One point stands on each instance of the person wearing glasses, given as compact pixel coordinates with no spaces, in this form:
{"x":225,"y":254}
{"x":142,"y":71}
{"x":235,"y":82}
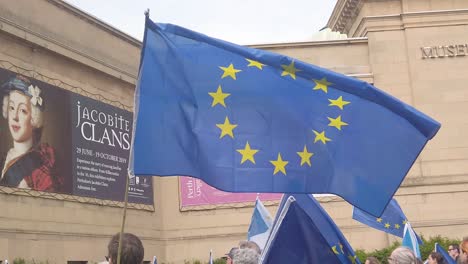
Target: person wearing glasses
{"x":454,"y":251}
{"x":230,"y":255}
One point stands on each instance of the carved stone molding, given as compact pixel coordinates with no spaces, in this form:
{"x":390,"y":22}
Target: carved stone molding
{"x":344,"y":14}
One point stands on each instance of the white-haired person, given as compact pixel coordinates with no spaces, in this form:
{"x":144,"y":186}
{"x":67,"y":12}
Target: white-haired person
{"x":403,"y":255}
{"x":246,"y":256}
{"x":28,"y":163}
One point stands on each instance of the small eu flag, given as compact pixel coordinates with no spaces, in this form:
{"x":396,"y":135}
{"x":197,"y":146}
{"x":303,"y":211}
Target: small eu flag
{"x":392,"y":220}
{"x":247,"y":120}
{"x":304,"y":233}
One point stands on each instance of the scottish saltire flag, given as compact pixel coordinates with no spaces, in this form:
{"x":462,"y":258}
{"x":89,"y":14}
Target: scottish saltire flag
{"x":392,"y":220}
{"x":260,"y":225}
{"x":304,"y":233}
{"x":247,"y":120}
{"x":410,"y":240}
{"x":444,"y":254}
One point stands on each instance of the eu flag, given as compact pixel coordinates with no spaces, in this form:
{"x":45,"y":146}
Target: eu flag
{"x":304,"y":233}
{"x":247,"y":120}
{"x":392,"y":220}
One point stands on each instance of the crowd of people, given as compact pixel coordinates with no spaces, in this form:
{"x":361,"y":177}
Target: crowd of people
{"x":248,"y":252}
{"x":404,"y":255}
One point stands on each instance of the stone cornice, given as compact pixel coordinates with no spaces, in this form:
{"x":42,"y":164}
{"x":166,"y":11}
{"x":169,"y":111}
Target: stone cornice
{"x":411,"y":20}
{"x":310,"y":43}
{"x":96,"y":21}
{"x":38,"y":40}
{"x":344,"y":13}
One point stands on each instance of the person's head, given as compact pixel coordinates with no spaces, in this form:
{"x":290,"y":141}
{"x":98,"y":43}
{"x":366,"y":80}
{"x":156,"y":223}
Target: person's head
{"x":251,"y":245}
{"x":453,"y":250}
{"x":22,"y":107}
{"x":372,"y":260}
{"x":402,"y":255}
{"x":435,"y":258}
{"x":230,"y":255}
{"x":132,"y":249}
{"x":245,"y":256}
{"x":463,"y":258}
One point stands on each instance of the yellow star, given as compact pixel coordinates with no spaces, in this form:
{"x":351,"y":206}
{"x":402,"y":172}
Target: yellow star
{"x":337,"y":122}
{"x":352,"y":259}
{"x":338,"y":102}
{"x":226,"y":128}
{"x":279,"y":165}
{"x":405,"y":221}
{"x":379,"y":220}
{"x":257,"y":64}
{"x":229,"y":71}
{"x":320,"y":136}
{"x":321,"y":84}
{"x":247,"y":153}
{"x":289,"y":70}
{"x":218,"y":97}
{"x":397,"y":226}
{"x":387,"y":225}
{"x":305,"y":156}
{"x":335,"y":251}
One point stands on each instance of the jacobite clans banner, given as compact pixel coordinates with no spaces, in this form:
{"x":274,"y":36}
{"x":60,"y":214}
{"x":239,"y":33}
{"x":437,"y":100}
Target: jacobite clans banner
{"x":54,"y":140}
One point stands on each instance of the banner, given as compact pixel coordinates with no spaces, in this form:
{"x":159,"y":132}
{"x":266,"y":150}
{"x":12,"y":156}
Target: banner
{"x":195,"y":192}
{"x":54,"y":140}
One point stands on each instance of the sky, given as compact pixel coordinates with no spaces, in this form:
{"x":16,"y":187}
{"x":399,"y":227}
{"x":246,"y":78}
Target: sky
{"x":242,"y":21}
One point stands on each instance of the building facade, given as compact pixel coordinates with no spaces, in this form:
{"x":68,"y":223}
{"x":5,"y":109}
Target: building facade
{"x":416,"y":50}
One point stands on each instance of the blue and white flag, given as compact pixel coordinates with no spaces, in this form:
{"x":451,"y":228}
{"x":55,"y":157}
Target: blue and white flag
{"x":410,"y":240}
{"x":155,"y":260}
{"x":304,"y":233}
{"x":260,"y":225}
{"x":211,"y":257}
{"x":444,"y":254}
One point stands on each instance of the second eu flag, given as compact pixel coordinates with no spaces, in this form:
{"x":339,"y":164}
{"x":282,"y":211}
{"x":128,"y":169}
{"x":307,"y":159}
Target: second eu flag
{"x":246,"y":120}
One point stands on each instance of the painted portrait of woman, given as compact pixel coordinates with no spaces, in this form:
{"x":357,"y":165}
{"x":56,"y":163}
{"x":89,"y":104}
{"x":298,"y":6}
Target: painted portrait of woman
{"x":29,"y":163}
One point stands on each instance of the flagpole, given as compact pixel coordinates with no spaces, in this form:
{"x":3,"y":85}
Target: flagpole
{"x":119,"y":251}
{"x":130,"y":172}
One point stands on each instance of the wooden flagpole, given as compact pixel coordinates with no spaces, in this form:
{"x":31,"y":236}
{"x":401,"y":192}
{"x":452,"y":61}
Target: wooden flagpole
{"x":119,"y":251}
{"x":122,"y":227}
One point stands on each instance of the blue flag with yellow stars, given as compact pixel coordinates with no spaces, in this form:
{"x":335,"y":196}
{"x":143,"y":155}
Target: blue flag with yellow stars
{"x":392,"y":220}
{"x":304,"y":233}
{"x":247,"y":120}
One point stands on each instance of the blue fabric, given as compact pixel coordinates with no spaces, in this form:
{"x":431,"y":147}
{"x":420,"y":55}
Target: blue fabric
{"x":307,"y":234}
{"x":444,"y":254}
{"x":261,"y":220}
{"x":281,"y":109}
{"x":392,"y":220}
{"x":260,"y":225}
{"x":409,"y":240}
